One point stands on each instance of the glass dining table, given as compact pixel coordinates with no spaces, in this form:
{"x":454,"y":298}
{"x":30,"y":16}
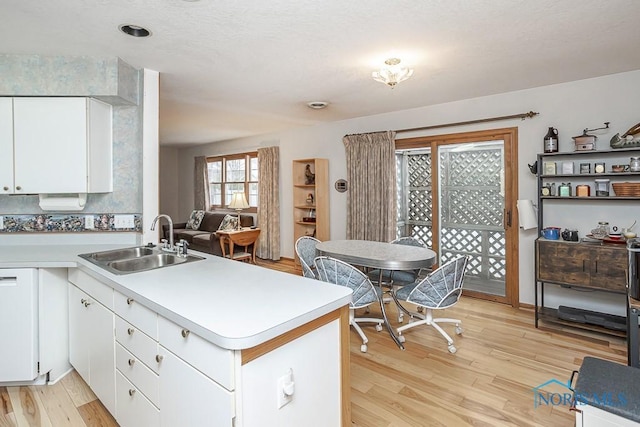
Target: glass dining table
{"x":379,"y":255}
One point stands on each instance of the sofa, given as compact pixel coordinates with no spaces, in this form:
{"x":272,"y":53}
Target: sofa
{"x":204,"y":238}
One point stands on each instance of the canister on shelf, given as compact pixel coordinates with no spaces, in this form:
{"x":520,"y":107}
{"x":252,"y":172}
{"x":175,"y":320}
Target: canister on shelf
{"x":564,"y":190}
{"x":602,"y":187}
{"x":583,"y":190}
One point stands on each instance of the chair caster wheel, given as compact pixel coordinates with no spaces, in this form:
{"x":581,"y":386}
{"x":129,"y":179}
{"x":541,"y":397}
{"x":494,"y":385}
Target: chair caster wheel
{"x":420,"y":309}
{"x":363,"y":348}
{"x":378,"y":327}
{"x":366,"y":310}
{"x":459,"y":330}
{"x":400,"y":319}
{"x":452,"y":349}
{"x":401,"y":338}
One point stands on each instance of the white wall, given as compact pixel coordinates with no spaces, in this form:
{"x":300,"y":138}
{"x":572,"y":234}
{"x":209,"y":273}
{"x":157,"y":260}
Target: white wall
{"x":570,"y":107}
{"x":168,"y":182}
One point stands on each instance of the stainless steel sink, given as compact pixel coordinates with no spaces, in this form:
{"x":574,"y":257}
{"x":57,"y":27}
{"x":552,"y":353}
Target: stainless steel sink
{"x":136,"y":259}
{"x":124,"y":253}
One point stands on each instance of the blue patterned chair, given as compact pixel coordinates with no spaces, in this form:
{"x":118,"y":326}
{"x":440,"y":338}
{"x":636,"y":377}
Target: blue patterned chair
{"x":306,"y":250}
{"x":334,"y":271}
{"x":441,"y":289}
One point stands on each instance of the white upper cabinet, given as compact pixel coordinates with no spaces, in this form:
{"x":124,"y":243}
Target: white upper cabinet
{"x":6,"y":146}
{"x":61,"y":145}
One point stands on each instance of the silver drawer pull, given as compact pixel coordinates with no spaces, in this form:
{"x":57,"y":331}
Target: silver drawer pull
{"x":5,"y":188}
{"x":130,"y":331}
{"x":129,"y":301}
{"x":132,"y":361}
{"x":132,"y":392}
{"x":159,"y":358}
{"x":185,"y":333}
{"x":18,"y":188}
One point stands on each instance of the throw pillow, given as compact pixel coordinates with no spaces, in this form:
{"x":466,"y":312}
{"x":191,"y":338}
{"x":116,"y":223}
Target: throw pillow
{"x":229,"y":222}
{"x":195,"y":220}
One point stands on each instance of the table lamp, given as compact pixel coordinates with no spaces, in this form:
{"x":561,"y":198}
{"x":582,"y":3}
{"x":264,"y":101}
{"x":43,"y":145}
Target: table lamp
{"x":238,"y":202}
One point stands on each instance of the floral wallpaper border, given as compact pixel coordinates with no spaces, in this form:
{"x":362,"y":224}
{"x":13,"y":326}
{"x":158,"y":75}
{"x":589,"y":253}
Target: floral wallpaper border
{"x":65,"y":223}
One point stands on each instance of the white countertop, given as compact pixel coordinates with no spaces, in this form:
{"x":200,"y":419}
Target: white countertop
{"x":232,"y":304}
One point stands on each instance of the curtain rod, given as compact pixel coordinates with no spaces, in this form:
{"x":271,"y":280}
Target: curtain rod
{"x":521,"y":116}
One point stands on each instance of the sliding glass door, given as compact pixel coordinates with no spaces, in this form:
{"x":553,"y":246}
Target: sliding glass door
{"x":455,"y":194}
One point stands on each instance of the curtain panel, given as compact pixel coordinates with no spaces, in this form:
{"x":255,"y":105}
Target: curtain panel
{"x":371,"y":173}
{"x":201,"y":184}
{"x":269,"y":203}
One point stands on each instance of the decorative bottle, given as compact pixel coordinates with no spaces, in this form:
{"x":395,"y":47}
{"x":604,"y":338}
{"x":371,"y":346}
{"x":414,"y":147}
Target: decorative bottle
{"x":551,"y":141}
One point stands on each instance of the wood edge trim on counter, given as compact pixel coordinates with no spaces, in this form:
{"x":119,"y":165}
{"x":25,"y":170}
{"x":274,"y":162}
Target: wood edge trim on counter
{"x":249,"y":354}
{"x":345,"y":362}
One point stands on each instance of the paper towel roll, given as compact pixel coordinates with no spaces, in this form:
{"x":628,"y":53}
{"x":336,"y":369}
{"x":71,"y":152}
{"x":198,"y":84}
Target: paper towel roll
{"x":527,"y":214}
{"x":66,"y":202}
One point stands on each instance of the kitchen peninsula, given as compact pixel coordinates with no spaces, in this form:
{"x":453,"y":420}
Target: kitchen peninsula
{"x":210,"y":342}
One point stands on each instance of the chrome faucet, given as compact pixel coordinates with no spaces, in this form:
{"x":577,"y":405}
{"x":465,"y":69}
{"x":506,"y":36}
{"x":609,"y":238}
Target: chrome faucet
{"x":171,"y":247}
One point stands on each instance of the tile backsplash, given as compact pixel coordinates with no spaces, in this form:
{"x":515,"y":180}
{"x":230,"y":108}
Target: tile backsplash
{"x":70,"y":223}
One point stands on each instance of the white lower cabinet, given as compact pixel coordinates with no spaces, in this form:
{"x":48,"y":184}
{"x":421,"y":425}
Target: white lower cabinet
{"x":165,"y":375}
{"x":189,"y":398}
{"x":590,"y":416}
{"x":91,"y":344}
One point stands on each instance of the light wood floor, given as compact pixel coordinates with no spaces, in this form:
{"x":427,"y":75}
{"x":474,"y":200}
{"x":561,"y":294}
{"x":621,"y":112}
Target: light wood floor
{"x":489,"y":382}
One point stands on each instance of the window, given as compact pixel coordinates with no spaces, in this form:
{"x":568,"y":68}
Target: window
{"x":232,"y":174}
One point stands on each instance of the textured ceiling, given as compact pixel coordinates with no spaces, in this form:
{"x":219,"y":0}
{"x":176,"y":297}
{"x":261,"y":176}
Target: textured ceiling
{"x":239,"y":68}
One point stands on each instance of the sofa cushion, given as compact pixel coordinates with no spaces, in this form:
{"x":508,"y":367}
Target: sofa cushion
{"x":229,"y":222}
{"x":195,"y":219}
{"x":187,"y":234}
{"x":211,"y":221}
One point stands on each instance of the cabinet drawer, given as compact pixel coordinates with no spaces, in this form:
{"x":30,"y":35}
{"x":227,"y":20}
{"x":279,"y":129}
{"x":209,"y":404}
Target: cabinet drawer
{"x":138,"y":374}
{"x":133,"y":409}
{"x":136,"y":314}
{"x":93,"y":287}
{"x":189,"y":398}
{"x":137,"y":343}
{"x":211,"y":360}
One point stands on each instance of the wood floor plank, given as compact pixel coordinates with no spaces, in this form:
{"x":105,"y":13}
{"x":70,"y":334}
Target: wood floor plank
{"x":77,"y":389}
{"x":7,"y":418}
{"x":28,"y":408}
{"x":95,"y":414}
{"x":59,"y":406}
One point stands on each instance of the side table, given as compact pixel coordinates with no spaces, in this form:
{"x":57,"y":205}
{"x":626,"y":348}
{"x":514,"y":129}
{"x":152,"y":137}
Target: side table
{"x":243,"y":237}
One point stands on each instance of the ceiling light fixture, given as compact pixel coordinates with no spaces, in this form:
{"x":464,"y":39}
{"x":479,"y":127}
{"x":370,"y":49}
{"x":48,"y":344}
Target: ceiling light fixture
{"x":392,"y":74}
{"x":317,"y":105}
{"x":135,"y":30}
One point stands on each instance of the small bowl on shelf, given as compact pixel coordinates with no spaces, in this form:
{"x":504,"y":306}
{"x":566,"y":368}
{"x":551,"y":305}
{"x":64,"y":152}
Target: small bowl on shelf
{"x":629,"y":234}
{"x":615,"y":236}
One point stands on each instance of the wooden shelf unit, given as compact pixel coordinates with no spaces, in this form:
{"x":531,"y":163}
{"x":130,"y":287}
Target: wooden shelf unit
{"x":319,"y":207}
{"x":580,"y":266}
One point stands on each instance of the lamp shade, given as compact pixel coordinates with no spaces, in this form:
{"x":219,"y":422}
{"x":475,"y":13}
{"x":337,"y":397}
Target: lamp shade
{"x":238,"y":201}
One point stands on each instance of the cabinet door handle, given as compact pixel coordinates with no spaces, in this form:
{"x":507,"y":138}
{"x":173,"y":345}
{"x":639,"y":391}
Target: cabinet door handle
{"x":132,"y":392}
{"x":596,"y":264}
{"x":130,"y":331}
{"x":159,"y":358}
{"x":129,"y":301}
{"x":82,"y":301}
{"x":185,"y":333}
{"x":583,"y":266}
{"x":5,"y":188}
{"x":132,"y":361}
{"x":18,"y":188}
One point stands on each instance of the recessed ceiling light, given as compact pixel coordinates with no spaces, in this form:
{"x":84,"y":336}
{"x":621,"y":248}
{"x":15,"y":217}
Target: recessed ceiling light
{"x":135,"y":30}
{"x":317,"y":105}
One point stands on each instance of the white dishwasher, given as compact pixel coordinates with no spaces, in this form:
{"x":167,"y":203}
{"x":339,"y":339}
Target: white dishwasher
{"x":18,"y":324}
